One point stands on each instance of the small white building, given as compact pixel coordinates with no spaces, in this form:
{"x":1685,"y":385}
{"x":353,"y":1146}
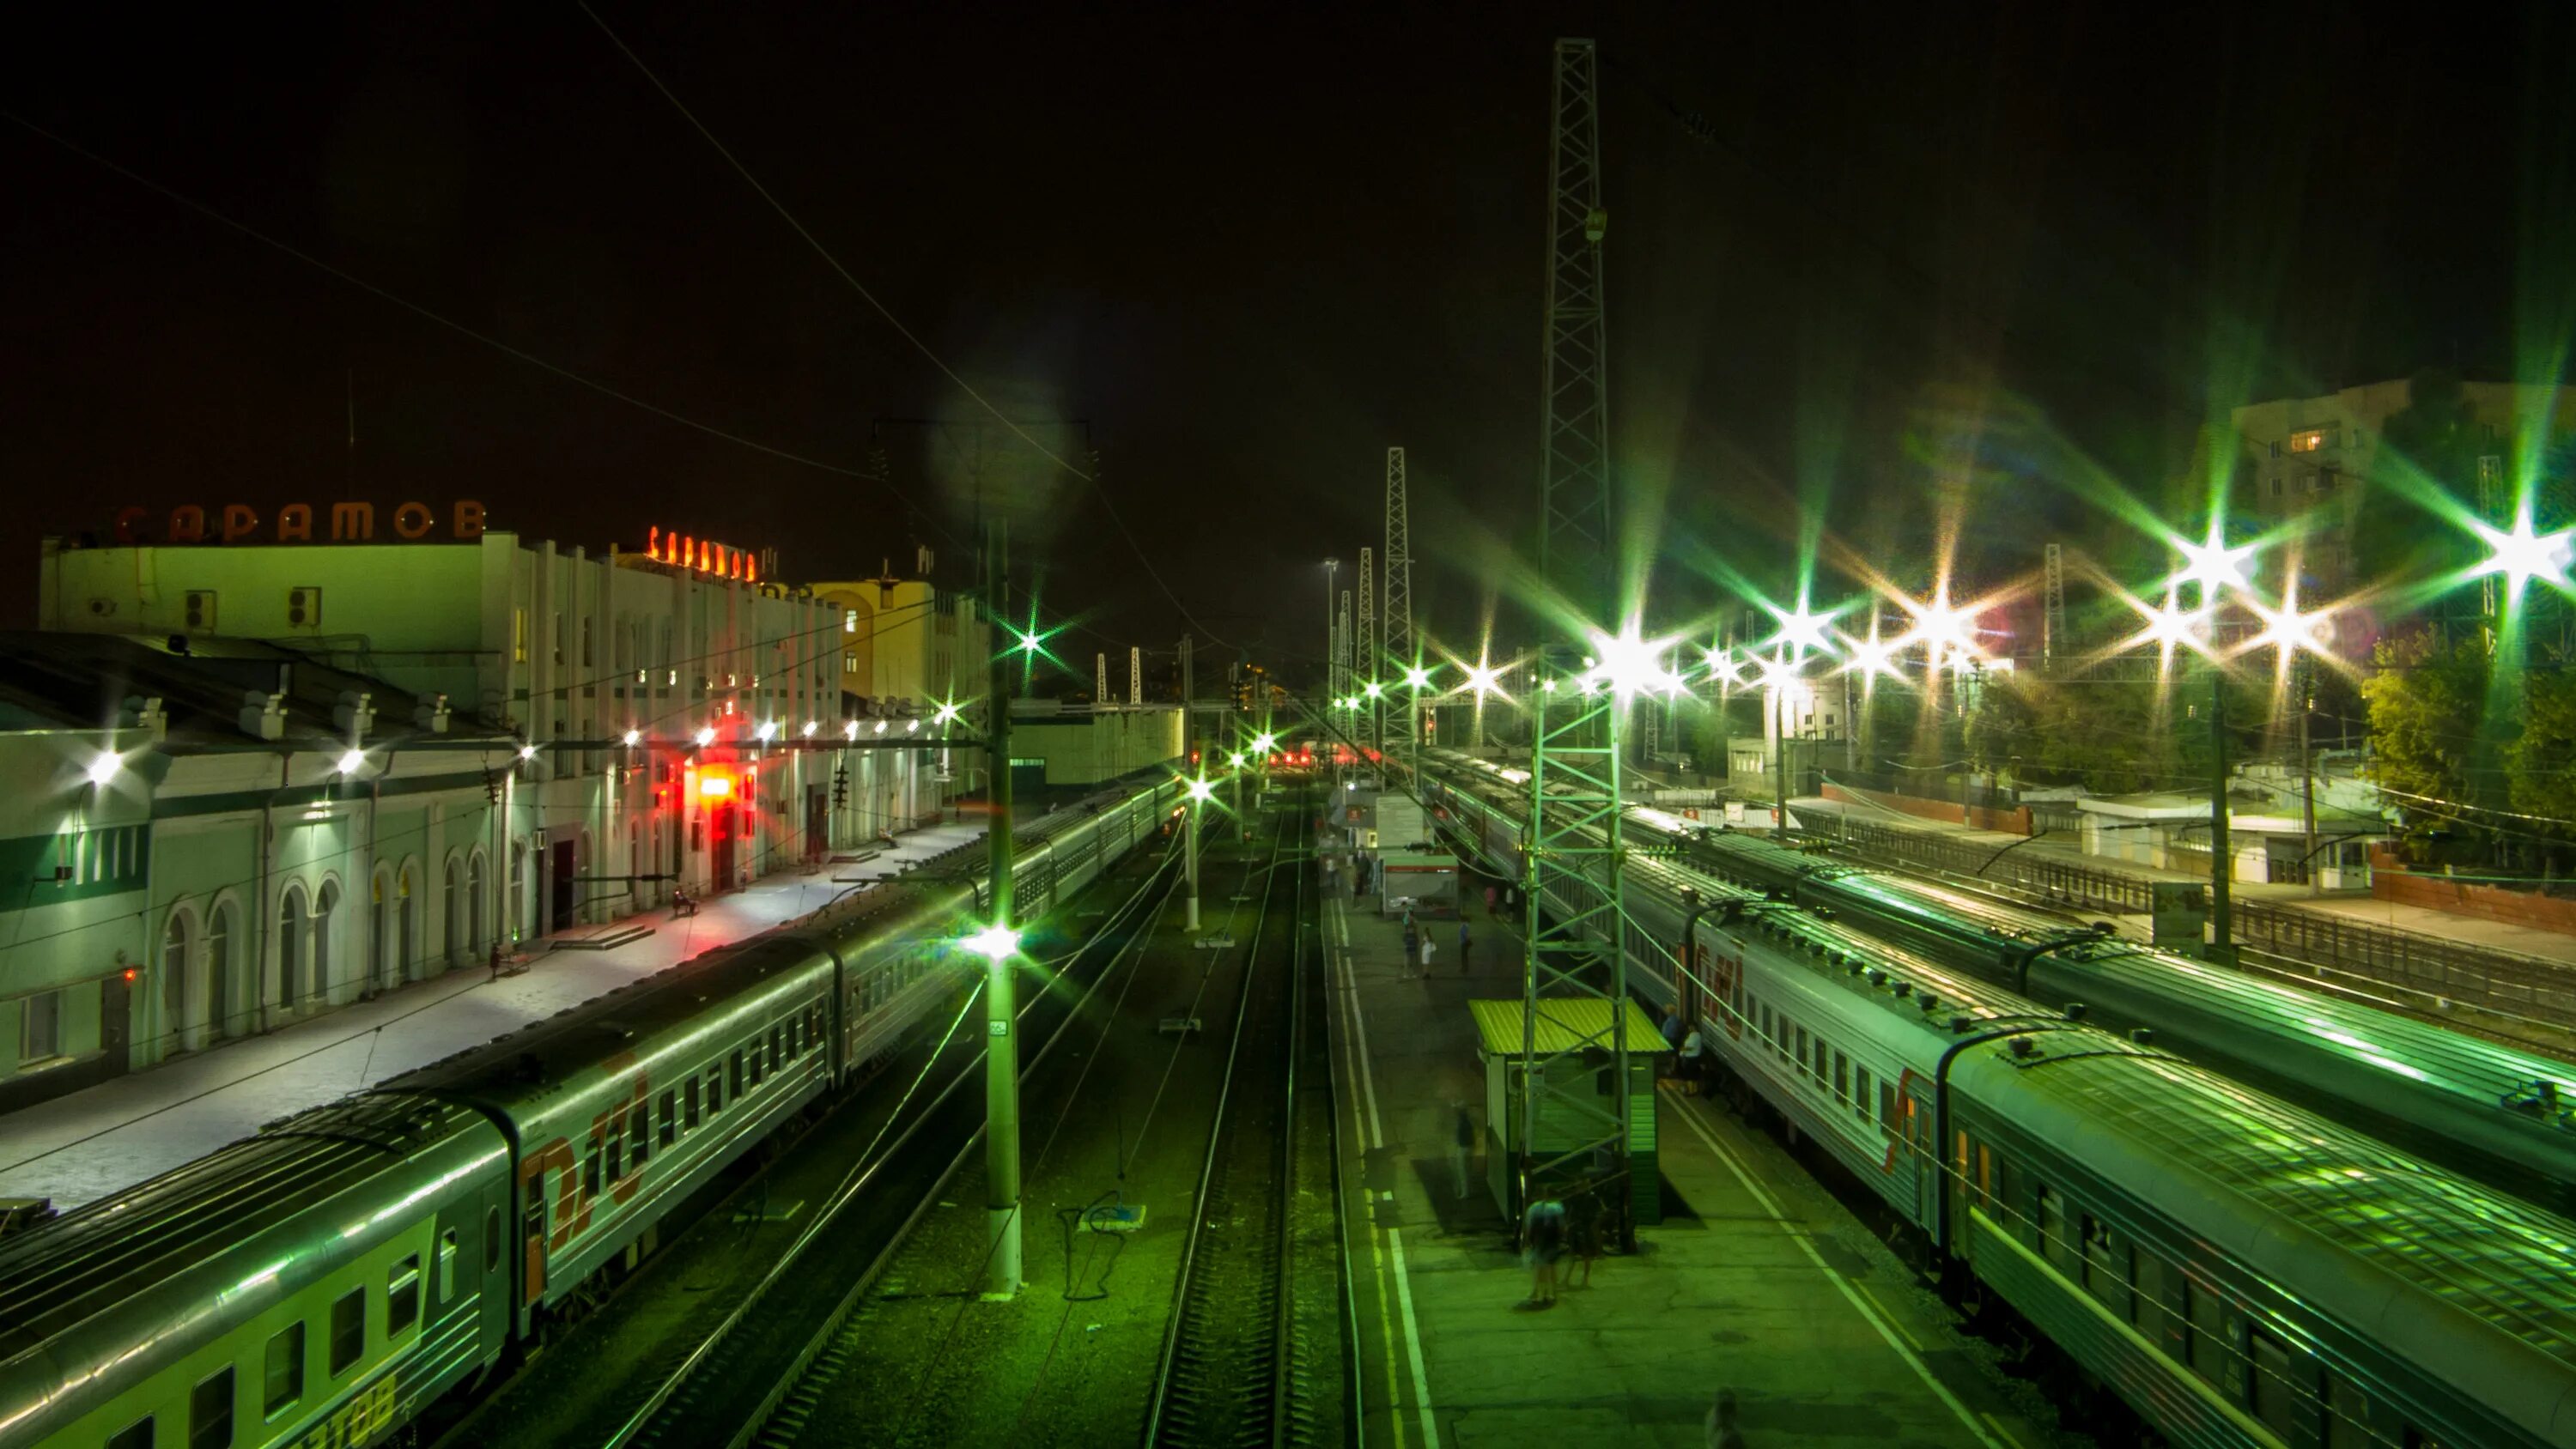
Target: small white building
{"x":2170,"y":830}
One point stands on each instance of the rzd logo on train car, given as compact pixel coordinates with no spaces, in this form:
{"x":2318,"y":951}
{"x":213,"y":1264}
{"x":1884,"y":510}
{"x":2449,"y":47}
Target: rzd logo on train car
{"x":361,"y":1419}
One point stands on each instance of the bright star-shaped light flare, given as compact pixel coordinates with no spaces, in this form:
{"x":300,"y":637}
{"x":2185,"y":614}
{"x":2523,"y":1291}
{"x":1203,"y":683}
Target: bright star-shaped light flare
{"x":947,"y":713}
{"x":1265,"y":742}
{"x":2523,"y":555}
{"x":1418,"y":677}
{"x":1202,"y":791}
{"x":993,"y":943}
{"x":2214,"y":566}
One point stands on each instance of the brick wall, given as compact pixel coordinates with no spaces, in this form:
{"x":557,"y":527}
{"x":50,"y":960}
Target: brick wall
{"x":2390,"y":880}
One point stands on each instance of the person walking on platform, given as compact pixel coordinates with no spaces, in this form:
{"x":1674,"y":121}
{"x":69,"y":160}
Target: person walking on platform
{"x":1542,"y":1243}
{"x":1412,"y":945}
{"x":1587,"y":1224}
{"x":1462,"y":1143}
{"x":1464,"y":942}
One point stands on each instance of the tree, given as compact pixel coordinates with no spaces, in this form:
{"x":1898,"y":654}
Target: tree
{"x":2426,"y":703}
{"x":2540,"y":764}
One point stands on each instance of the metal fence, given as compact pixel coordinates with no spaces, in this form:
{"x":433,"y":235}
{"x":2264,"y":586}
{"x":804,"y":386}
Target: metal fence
{"x":2496,"y":981}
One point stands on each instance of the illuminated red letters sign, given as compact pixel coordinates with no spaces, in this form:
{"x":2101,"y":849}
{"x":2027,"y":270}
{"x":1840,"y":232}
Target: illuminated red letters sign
{"x":722,"y":560}
{"x":348,"y":523}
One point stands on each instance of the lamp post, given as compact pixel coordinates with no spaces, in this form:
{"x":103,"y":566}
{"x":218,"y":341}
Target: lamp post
{"x":998,"y":944}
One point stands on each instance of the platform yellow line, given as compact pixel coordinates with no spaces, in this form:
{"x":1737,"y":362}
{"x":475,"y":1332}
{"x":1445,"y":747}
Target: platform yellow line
{"x":1851,"y":1295}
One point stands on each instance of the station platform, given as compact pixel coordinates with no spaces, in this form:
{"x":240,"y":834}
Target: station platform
{"x":92,"y":1142}
{"x":1758,"y":1280}
{"x":2504,"y":936}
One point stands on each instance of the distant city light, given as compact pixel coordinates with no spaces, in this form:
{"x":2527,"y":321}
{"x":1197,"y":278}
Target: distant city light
{"x":1265,"y":742}
{"x":1418,"y":677}
{"x":1201,"y":791}
{"x":1374,"y":690}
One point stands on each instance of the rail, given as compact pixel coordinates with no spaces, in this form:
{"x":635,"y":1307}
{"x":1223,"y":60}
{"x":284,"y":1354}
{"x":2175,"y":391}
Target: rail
{"x":1231,"y":1369}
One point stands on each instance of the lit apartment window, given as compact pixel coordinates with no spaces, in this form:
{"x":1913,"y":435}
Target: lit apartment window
{"x":2308,"y":442}
{"x":849,"y":621}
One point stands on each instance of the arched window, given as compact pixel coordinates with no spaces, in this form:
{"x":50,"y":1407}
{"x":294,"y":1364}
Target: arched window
{"x":326,"y":904}
{"x":457,"y":943}
{"x":174,"y":982}
{"x":220,"y":1010}
{"x":380,"y":916}
{"x":406,"y":923}
{"x":477,"y":940}
{"x":290,"y":950}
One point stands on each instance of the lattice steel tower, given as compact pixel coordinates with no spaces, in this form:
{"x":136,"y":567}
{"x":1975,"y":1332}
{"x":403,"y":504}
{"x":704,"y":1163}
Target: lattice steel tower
{"x":1574,"y":982}
{"x":1366,"y":652}
{"x":1575,"y":538}
{"x":1398,"y":605}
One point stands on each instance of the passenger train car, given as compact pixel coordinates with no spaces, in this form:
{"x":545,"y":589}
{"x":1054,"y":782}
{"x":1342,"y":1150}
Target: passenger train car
{"x":319,"y":1283}
{"x":2234,"y":1269}
{"x":2473,"y":1105}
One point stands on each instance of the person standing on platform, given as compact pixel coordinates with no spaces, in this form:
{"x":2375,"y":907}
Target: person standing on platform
{"x":1428,"y":946}
{"x":1412,"y":945}
{"x":1692,"y":1050}
{"x":1672,"y":1028}
{"x":1464,"y":942}
{"x":1493,"y":897}
{"x":1542,"y":1243}
{"x":1462,"y":1143}
{"x":1720,"y":1425}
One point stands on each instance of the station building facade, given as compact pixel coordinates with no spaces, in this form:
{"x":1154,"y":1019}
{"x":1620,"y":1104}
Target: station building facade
{"x":211,"y":839}
{"x":643,"y":725}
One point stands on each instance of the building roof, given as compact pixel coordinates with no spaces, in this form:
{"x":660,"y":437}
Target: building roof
{"x":1564,"y":1023}
{"x":60,"y":681}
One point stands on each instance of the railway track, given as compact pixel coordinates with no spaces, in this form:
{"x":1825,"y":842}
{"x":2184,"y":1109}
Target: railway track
{"x":1254,"y":1353}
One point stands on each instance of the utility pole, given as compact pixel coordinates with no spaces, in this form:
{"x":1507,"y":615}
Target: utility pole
{"x":1332,"y":633}
{"x":1398,"y":598}
{"x":2308,"y":787}
{"x":1001,"y":1027}
{"x":1780,"y":762}
{"x":1100,"y":678}
{"x":1135,"y":674}
{"x":2222,"y":856}
{"x":2052,"y":618}
{"x":1190,"y":757}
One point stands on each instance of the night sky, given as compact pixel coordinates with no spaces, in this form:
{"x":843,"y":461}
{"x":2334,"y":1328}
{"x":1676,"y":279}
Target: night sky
{"x":1246,"y":250}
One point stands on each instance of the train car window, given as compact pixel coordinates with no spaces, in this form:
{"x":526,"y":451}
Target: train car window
{"x":715,"y":1090}
{"x":1842,"y":1078}
{"x":639,"y":1133}
{"x":348,"y":1330}
{"x":447,"y":1262}
{"x":2347,"y":1414}
{"x":210,"y":1411}
{"x":137,"y":1435}
{"x":282,"y":1378}
{"x":2269,"y":1392}
{"x":1860,"y":1092}
{"x":777,"y":1047}
{"x":2149,"y":1307}
{"x":689,"y":1106}
{"x":735,"y":1071}
{"x":616,"y":1154}
{"x":670,"y":1116}
{"x":1802,"y":1046}
{"x":758,"y":1069}
{"x":2108,"y":1267}
{"x":402,"y":1297}
{"x":2204,"y":1332}
{"x":2053,"y":1242}
{"x":590,"y":1173}
{"x":1887,"y":1106}
{"x":1985,"y":1178}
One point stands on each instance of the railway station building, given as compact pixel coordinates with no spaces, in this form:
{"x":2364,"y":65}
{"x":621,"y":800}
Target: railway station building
{"x":211,"y":838}
{"x":684,"y":715}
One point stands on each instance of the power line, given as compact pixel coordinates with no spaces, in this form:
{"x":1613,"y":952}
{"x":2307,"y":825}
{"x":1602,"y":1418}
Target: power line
{"x":245,"y":229}
{"x":896,"y":323}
